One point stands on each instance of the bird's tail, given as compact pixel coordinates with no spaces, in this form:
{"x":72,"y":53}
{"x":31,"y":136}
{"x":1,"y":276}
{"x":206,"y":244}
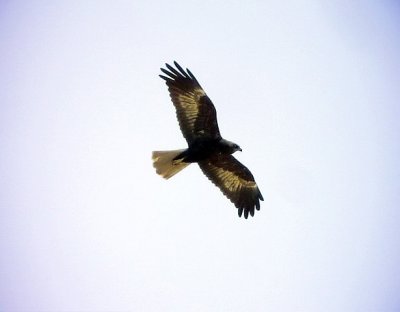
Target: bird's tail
{"x":165,"y":164}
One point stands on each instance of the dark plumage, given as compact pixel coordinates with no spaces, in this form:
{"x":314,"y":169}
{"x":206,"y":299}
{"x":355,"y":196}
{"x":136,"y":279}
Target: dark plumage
{"x":198,"y":122}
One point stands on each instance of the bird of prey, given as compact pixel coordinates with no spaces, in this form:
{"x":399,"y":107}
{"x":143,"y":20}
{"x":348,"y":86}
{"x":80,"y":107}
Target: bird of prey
{"x":198,"y":122}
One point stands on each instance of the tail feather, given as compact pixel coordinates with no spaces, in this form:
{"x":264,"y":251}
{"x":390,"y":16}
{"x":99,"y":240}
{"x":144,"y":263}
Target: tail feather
{"x":165,"y":164}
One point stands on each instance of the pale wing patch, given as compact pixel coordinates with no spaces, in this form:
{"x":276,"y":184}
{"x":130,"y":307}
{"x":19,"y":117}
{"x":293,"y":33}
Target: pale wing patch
{"x":195,"y":111}
{"x":187,"y":105}
{"x":231,"y":181}
{"x":235,"y":181}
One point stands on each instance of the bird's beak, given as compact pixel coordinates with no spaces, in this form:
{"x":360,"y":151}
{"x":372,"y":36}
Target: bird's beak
{"x":240,"y":149}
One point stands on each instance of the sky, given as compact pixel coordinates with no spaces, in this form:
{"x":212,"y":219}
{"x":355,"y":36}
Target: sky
{"x":308,"y":89}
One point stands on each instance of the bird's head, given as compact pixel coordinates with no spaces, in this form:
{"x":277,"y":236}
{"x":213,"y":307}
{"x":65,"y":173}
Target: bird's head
{"x":230,"y":147}
{"x":236,"y":148}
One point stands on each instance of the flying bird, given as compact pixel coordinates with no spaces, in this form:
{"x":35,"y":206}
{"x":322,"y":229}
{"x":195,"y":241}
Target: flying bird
{"x":197,"y":119}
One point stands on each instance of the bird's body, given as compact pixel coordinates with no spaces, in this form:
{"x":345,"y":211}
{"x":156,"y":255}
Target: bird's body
{"x":203,"y":148}
{"x":198,"y":121}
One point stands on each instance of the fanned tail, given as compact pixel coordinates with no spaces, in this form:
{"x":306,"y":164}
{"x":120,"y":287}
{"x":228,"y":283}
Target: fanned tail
{"x":165,"y":164}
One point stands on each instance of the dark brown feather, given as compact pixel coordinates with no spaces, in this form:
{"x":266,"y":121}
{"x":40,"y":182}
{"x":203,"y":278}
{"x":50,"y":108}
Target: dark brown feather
{"x":235,"y":181}
{"x":195,"y":112}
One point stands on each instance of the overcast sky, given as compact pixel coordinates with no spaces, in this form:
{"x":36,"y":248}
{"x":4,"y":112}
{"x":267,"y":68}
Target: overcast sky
{"x":310,"y":91}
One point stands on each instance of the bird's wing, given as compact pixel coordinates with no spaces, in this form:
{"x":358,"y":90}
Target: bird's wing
{"x":235,"y":181}
{"x":195,"y":111}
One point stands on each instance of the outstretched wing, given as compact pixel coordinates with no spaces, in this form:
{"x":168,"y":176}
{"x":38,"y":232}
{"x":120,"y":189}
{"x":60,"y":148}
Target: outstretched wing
{"x":235,"y":181}
{"x":195,"y":111}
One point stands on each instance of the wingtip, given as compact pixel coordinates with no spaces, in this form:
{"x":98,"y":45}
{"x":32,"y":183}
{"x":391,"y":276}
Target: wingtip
{"x":260,"y":196}
{"x":240,"y":211}
{"x":163,"y":77}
